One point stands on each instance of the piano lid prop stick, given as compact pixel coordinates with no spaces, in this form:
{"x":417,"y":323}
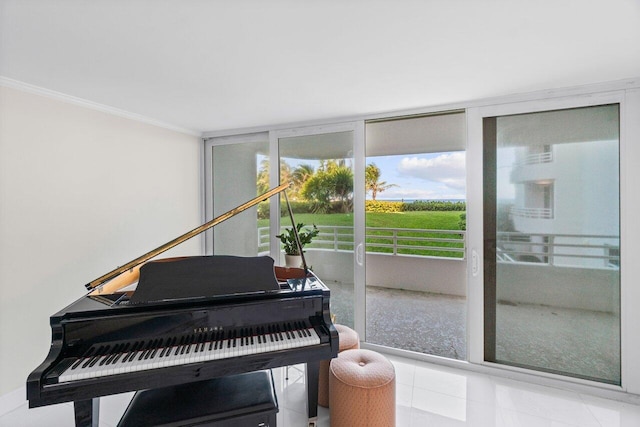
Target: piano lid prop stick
{"x":204,"y":227}
{"x":298,"y":242}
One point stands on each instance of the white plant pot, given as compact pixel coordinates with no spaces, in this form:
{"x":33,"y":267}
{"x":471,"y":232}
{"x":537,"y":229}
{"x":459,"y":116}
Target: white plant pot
{"x":293,"y":261}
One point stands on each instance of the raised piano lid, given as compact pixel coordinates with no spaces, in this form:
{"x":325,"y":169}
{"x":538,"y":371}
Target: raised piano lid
{"x":129,"y":268}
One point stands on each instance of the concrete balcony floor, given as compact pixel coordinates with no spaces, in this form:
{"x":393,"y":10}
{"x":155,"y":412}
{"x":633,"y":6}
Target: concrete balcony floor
{"x":582,"y":343}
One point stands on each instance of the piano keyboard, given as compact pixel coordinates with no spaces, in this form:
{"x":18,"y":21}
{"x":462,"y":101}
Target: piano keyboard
{"x":106,"y":360}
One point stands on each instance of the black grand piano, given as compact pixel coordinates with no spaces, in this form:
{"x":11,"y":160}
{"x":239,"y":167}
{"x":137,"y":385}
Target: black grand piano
{"x":188,"y":319}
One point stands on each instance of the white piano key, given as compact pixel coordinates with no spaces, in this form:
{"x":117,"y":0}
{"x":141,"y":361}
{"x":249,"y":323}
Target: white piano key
{"x":219,"y":346}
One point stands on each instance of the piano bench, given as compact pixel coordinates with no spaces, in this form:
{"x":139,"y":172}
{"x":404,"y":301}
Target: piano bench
{"x":247,"y":399}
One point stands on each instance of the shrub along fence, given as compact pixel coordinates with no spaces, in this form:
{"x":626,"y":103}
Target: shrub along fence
{"x":370,"y":206}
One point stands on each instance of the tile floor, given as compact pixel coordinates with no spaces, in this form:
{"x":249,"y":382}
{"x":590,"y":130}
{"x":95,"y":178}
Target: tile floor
{"x":426,"y":395}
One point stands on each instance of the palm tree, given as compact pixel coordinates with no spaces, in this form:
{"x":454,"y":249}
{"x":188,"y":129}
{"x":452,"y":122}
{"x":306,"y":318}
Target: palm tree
{"x":332,"y":182}
{"x":372,"y":180}
{"x":299,"y":176}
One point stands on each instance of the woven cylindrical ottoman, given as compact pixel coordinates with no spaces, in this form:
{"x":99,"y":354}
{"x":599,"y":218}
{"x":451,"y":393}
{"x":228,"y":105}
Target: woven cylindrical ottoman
{"x":362,"y":390}
{"x":348,"y":339}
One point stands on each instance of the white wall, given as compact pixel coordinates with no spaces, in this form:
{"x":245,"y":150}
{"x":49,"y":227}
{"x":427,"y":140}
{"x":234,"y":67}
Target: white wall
{"x":81,"y":192}
{"x":438,"y":275}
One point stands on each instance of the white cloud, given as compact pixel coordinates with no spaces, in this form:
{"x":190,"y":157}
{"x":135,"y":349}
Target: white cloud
{"x":447,"y":169}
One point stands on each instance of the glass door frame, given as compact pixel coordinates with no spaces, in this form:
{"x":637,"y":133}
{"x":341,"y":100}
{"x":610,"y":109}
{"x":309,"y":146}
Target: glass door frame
{"x":630,"y":344}
{"x":357,"y":127}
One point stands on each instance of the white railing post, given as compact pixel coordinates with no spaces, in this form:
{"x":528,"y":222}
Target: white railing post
{"x":395,"y":242}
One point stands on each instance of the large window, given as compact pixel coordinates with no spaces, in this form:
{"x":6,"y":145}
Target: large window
{"x":546,"y":270}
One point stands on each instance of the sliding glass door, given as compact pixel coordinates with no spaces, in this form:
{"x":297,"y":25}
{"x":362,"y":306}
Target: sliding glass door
{"x":319,"y":164}
{"x":551,"y":233}
{"x":416,"y":285}
{"x":237,"y":170}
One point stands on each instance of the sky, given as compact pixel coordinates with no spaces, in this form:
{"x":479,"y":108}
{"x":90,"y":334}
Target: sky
{"x":432,"y":176}
{"x":422,"y":176}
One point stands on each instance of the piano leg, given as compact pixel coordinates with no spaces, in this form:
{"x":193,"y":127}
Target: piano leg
{"x":313,"y":375}
{"x":87,"y":412}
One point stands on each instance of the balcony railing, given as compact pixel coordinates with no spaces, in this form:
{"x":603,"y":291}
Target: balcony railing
{"x":537,"y":158}
{"x":394,"y":241}
{"x":536,"y":213}
{"x":594,"y":251}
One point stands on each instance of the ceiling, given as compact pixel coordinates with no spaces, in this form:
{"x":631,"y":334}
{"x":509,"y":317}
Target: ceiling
{"x":214,"y":65}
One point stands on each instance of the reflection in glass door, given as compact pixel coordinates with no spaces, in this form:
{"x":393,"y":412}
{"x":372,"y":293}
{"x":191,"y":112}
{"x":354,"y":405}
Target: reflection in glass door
{"x":238,"y":172}
{"x":320,"y":168}
{"x":552,"y":241}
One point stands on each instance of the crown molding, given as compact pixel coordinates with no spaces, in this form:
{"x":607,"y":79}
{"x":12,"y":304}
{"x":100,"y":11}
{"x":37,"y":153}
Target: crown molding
{"x":37,"y":90}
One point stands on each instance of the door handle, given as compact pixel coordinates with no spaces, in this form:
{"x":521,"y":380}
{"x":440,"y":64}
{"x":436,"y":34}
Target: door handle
{"x":360,"y":254}
{"x":475,"y":263}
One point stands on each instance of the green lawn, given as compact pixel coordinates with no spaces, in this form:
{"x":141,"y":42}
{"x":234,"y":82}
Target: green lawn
{"x":430,"y":220}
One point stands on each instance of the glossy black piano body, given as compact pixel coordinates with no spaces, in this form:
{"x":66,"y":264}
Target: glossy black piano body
{"x":90,"y":323}
{"x":184,"y":305}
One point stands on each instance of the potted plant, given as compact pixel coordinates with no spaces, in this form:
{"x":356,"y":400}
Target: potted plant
{"x":292,"y":254}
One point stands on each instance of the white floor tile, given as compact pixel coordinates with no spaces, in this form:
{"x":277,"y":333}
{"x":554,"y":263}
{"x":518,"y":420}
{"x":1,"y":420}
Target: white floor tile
{"x":426,"y":395}
{"x":545,"y":402}
{"x":611,"y":413}
{"x":405,"y":370}
{"x":521,"y":419}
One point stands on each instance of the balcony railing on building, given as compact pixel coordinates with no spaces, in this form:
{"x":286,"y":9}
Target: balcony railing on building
{"x":592,"y":251}
{"x":535,"y":213}
{"x":536,"y":158}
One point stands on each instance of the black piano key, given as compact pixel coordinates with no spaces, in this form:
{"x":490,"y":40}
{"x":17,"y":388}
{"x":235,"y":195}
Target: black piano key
{"x":218,"y":343}
{"x":150,"y":350}
{"x":110,"y":356}
{"x":94,"y":360}
{"x":305,"y":329}
{"x":200,"y":347}
{"x":213,"y":345}
{"x":76,"y":363}
{"x":211,"y":342}
{"x":100,"y":357}
{"x":155,"y":349}
{"x":190,"y":341}
{"x":83,"y":358}
{"x":287,"y":327}
{"x":145,"y":353}
{"x":167,"y":348}
{"x":298,"y":329}
{"x":180,"y":346}
{"x":132,"y":354}
{"x":115,"y":351}
{"x":123,"y":350}
{"x":90,"y":359}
